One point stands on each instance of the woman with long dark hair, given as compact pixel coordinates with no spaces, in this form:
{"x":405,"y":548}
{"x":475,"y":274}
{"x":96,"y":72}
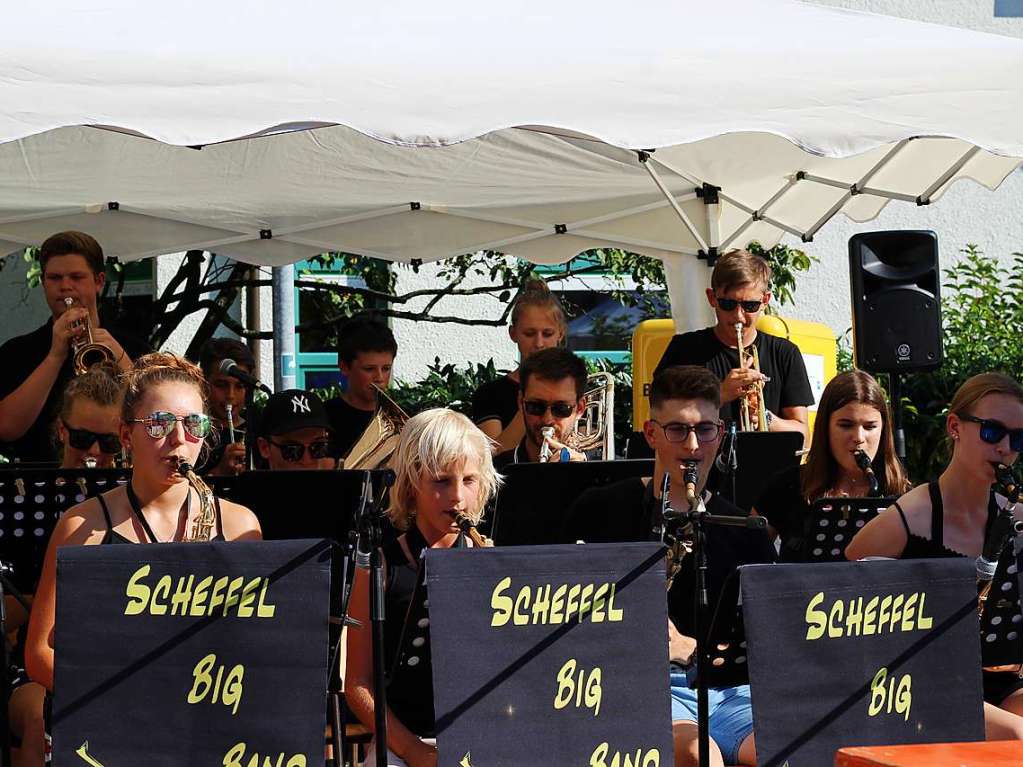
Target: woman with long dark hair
{"x":852,"y":416}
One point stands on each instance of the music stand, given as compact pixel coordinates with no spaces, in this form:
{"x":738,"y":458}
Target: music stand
{"x":832,"y":523}
{"x":31,"y":502}
{"x":728,"y":664}
{"x":532,"y":507}
{"x":332,"y":506}
{"x":758,"y":457}
{"x":1001,"y":625}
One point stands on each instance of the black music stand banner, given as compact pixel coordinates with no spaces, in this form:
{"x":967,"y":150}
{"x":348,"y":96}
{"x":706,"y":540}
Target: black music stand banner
{"x":198,"y":654}
{"x":861,"y":654}
{"x":550,"y":655}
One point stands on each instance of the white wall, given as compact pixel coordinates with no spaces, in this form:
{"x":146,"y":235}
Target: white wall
{"x":966,"y":213}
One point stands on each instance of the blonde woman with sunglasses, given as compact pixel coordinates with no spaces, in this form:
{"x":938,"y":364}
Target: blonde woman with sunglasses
{"x":164,"y":420}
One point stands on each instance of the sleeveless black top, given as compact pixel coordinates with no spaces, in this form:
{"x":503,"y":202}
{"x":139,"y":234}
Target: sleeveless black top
{"x":113,"y":536}
{"x":918,"y":547}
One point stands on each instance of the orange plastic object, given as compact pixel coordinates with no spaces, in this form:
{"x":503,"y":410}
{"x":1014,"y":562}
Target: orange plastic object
{"x":1002,"y":753}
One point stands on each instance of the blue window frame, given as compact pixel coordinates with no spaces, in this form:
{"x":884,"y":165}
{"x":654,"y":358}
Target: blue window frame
{"x":1009,"y":8}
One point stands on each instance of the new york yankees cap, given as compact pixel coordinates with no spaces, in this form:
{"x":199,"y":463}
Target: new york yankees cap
{"x":293,"y":409}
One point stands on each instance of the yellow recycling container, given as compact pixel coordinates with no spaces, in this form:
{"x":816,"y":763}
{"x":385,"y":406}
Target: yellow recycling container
{"x":651,"y":337}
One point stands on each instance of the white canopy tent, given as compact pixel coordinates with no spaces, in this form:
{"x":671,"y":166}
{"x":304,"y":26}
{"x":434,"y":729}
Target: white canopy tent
{"x":410,"y":131}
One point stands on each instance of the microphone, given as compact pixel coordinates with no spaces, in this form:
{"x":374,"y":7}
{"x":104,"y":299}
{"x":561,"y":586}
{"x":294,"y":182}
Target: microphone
{"x":231,"y":368}
{"x":362,"y":546}
{"x":691,"y":475}
{"x":726,"y":459}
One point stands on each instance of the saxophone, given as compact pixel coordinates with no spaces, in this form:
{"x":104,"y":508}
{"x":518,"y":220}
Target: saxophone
{"x":206,"y":519}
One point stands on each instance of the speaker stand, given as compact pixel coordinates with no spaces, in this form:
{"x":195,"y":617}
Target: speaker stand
{"x":895,"y":390}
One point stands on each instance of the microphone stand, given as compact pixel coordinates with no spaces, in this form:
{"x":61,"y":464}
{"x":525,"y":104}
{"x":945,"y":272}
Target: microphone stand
{"x":371,"y":531}
{"x":250,"y":426}
{"x":698,"y":519}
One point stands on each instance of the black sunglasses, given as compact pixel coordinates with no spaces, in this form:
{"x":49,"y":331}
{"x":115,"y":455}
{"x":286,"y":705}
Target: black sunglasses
{"x":83,"y":439}
{"x":729,"y":304}
{"x":538,"y":407}
{"x":706,"y":431}
{"x":993,"y":432}
{"x":293,"y":451}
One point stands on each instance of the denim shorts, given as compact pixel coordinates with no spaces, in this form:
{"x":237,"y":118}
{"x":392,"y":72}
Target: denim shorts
{"x":731,"y":713}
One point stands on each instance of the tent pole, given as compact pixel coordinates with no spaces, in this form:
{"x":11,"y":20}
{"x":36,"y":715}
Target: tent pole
{"x":284,"y":327}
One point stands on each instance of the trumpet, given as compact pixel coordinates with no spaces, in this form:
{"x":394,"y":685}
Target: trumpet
{"x":545,"y":447}
{"x":752,"y":413}
{"x":84,"y":351}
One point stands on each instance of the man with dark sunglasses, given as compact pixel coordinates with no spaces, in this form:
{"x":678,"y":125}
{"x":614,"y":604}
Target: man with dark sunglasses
{"x":295,"y":432}
{"x":684,"y":425}
{"x":739,"y":292}
{"x":551,"y":387}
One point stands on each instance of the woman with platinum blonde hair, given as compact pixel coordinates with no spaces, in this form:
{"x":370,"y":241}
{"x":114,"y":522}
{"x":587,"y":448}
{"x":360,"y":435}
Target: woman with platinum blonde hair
{"x":444,"y":471}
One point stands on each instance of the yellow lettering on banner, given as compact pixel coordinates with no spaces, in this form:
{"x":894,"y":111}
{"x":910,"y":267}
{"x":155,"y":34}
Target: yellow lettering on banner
{"x":137,"y":592}
{"x":265,"y":609}
{"x":232,"y":593}
{"x":586,"y":601}
{"x":182,"y":595}
{"x":586,"y":690}
{"x":854,"y":618}
{"x":233,"y":758}
{"x":836,"y":613}
{"x":639,"y":758}
{"x":896,"y":611}
{"x":245,"y":608}
{"x":614,"y":614}
{"x":228,"y":692}
{"x":816,"y":620}
{"x":558,"y":603}
{"x":888,"y":697}
{"x":217,"y":595}
{"x":865,"y":616}
{"x":909,"y":612}
{"x":599,"y":603}
{"x":500,"y":604}
{"x":870,"y":616}
{"x":541,"y":604}
{"x":572,"y":602}
{"x":522,"y":600}
{"x":923,"y":621}
{"x":162,"y":588}
{"x":199,"y":597}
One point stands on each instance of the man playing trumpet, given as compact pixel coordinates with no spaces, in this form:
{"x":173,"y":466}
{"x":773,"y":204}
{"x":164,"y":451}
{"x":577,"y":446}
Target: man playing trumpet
{"x":38,"y":365}
{"x":739,"y":292}
{"x":552,"y":383}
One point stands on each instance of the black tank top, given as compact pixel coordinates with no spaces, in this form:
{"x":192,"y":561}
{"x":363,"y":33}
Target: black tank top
{"x":112,"y":536}
{"x":918,"y":547}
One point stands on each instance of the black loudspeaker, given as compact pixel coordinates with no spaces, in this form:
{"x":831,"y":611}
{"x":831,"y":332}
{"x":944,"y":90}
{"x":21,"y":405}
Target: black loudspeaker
{"x":896,"y":301}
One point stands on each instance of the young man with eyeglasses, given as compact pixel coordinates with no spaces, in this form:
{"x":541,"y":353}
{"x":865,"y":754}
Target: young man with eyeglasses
{"x":38,"y":365}
{"x":684,"y":425}
{"x":739,"y":292}
{"x":551,"y":387}
{"x":295,"y":432}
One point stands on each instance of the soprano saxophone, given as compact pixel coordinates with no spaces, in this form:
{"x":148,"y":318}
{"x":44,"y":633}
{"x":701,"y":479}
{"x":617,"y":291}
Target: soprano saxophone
{"x":206,"y":519}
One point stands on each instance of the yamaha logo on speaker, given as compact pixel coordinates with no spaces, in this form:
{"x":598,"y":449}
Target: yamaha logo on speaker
{"x":903,"y":352}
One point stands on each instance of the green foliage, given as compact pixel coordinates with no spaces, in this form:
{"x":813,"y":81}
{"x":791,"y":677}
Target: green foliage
{"x":445,"y":385}
{"x":786,"y":263}
{"x":982,"y":318}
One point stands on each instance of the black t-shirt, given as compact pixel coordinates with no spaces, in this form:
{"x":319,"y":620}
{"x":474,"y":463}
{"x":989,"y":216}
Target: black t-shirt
{"x":23,"y":354}
{"x":780,"y":360}
{"x":347,"y":424}
{"x":627,"y":511}
{"x":782,"y":503}
{"x":496,"y":399}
